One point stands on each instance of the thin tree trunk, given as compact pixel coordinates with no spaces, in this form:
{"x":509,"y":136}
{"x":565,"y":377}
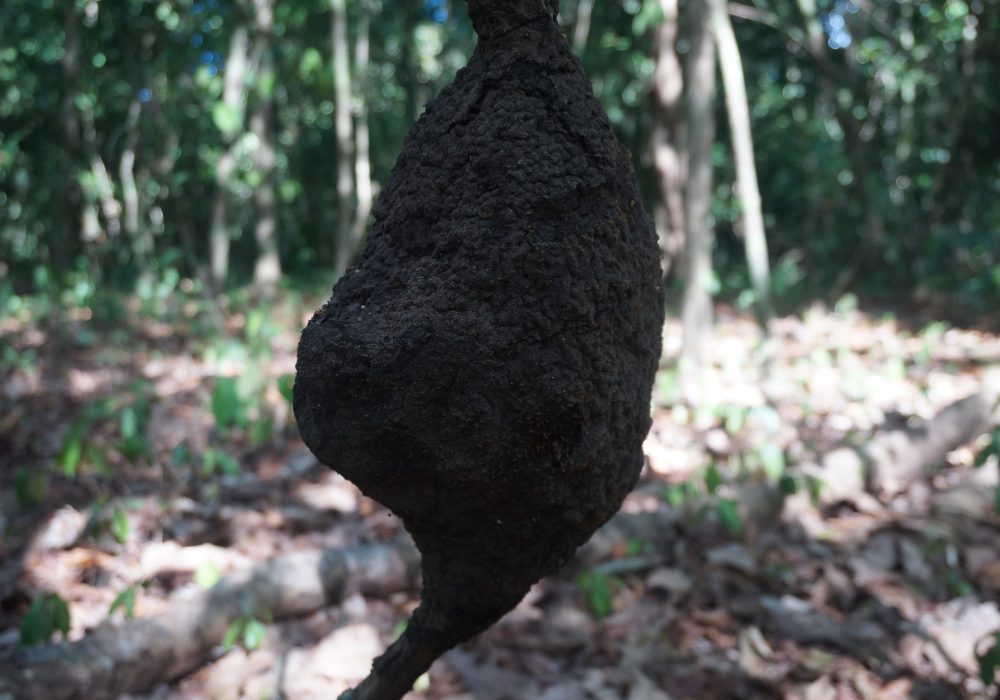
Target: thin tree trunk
{"x":111,"y":208}
{"x":234,"y":101}
{"x":748,"y":191}
{"x":267,"y":270}
{"x":342,"y":123}
{"x":696,"y":314}
{"x":362,"y":147}
{"x":581,"y":28}
{"x":140,"y":240}
{"x":669,"y":143}
{"x":406,"y":69}
{"x":60,"y":252}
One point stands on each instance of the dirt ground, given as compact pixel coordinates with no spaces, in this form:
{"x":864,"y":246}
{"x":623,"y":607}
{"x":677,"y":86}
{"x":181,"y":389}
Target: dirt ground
{"x":787,"y":571}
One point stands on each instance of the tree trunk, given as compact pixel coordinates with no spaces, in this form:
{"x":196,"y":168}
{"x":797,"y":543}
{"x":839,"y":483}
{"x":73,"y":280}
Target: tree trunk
{"x":60,"y":252}
{"x":346,"y":244}
{"x":748,"y":192}
{"x":581,"y":27}
{"x":111,"y":208}
{"x":141,"y":240}
{"x":696,"y":315}
{"x":362,"y":147}
{"x":267,"y":270}
{"x":406,"y":69}
{"x":234,"y":104}
{"x":669,"y":143}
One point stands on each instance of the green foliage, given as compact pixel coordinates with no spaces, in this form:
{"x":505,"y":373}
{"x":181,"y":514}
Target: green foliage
{"x":730,"y":517}
{"x":125,"y":601}
{"x":228,"y":407}
{"x":120,"y":527}
{"x":207,"y":575}
{"x":47,"y":615}
{"x":286,"y":383}
{"x":247,"y":630}
{"x":599,"y":590}
{"x":30,"y":486}
{"x":713,"y":478}
{"x":989,"y":662}
{"x":772,"y":460}
{"x":213,"y":459}
{"x":895,"y":199}
{"x":788,"y":485}
{"x":678,"y":494}
{"x":992,"y":449}
{"x":130,"y":412}
{"x":71,"y":452}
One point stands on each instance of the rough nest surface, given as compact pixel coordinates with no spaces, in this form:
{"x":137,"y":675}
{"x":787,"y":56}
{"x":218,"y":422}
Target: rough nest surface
{"x":485,"y":369}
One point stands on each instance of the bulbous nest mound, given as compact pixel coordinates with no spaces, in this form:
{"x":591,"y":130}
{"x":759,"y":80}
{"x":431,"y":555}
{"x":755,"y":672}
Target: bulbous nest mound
{"x":485,"y":369}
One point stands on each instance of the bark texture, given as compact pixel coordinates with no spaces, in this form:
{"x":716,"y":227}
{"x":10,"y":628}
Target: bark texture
{"x":485,"y":370}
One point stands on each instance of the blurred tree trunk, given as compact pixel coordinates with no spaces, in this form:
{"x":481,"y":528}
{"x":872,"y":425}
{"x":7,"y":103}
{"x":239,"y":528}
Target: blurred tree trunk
{"x":362,"y":146}
{"x":64,"y":242}
{"x":141,"y":239}
{"x":267,"y":270}
{"x":581,"y":27}
{"x":342,"y":108}
{"x":111,"y":208}
{"x":696,"y":314}
{"x":234,"y":106}
{"x":407,"y":61}
{"x":669,"y":145}
{"x":748,"y":191}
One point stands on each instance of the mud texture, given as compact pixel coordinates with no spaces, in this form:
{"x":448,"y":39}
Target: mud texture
{"x":485,"y":369}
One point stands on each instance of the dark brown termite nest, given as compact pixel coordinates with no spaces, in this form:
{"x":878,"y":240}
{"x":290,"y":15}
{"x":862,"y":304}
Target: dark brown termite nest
{"x":485,"y":369}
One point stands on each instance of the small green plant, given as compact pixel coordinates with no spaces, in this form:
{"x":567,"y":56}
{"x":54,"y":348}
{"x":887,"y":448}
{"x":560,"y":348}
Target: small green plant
{"x":30,"y":486}
{"x":772,"y":460}
{"x":847,"y":305}
{"x":286,"y":383}
{"x":261,"y":431}
{"x":989,"y":662}
{"x":247,"y":630}
{"x":930,"y":338}
{"x":399,"y":628}
{"x":815,"y":487}
{"x":992,"y":449}
{"x":788,"y":485}
{"x":599,"y":590}
{"x":125,"y":601}
{"x":677,"y":494}
{"x":133,"y":422}
{"x":713,"y":478}
{"x":120,"y":527}
{"x":47,"y":615}
{"x":132,"y":414}
{"x":637,"y":546}
{"x":213,"y":459}
{"x":228,"y":407}
{"x":207,"y":575}
{"x":729,"y":515}
{"x":668,"y":386}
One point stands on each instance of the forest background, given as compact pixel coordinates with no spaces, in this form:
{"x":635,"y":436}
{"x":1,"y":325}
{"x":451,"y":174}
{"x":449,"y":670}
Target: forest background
{"x":182,"y":180}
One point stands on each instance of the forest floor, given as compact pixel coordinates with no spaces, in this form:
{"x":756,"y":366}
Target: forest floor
{"x":149,"y":456}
